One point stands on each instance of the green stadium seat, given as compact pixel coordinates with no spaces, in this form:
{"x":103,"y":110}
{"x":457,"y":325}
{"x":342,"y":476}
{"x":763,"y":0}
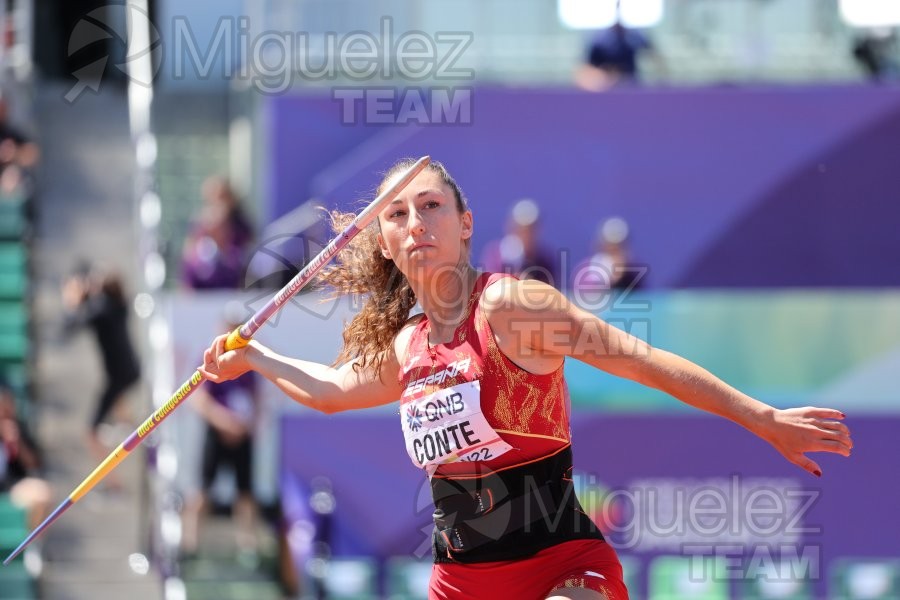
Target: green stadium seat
{"x":10,"y":514}
{"x":407,"y":578}
{"x":351,"y":579}
{"x":13,"y":525}
{"x":16,"y":583}
{"x":13,"y":271}
{"x":14,"y":374}
{"x":680,"y":577}
{"x":864,"y":579}
{"x":10,"y":538}
{"x":13,"y":315}
{"x":14,"y":346}
{"x":13,"y":224}
{"x":13,"y":331}
{"x":12,"y":257}
{"x":13,"y":286}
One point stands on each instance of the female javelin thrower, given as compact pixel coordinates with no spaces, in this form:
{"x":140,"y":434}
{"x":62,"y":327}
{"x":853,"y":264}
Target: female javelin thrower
{"x":483,"y":401}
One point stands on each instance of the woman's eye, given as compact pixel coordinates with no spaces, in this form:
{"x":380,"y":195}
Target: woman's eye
{"x":397,"y":213}
{"x":432,"y":204}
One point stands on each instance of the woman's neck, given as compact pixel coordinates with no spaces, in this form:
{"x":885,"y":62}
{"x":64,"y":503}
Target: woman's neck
{"x":445,"y":297}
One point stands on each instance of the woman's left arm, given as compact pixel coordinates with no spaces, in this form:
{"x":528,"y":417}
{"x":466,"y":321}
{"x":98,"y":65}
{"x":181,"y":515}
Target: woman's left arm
{"x":530,"y":318}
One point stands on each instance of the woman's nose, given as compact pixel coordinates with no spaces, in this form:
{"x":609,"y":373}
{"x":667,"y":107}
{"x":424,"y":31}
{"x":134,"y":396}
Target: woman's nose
{"x":416,"y":224}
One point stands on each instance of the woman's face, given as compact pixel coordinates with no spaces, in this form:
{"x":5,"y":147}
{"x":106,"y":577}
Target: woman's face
{"x":422,"y":230}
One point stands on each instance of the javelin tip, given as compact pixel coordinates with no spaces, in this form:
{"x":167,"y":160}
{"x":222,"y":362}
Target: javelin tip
{"x":53,"y":516}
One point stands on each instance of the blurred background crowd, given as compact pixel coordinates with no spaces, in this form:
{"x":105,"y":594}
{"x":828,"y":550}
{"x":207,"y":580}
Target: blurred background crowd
{"x":716,"y":176}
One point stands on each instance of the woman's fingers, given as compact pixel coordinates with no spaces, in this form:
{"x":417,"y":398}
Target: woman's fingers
{"x":220,"y":345}
{"x":209,"y":372}
{"x":220,"y":364}
{"x":214,"y":378}
{"x":833,"y":425}
{"x":807,"y":464}
{"x":210,"y":368}
{"x":824,"y":413}
{"x":833,"y":434}
{"x":812,"y":429}
{"x":215,"y":350}
{"x":832,"y":446}
{"x":828,"y":427}
{"x":836,"y":431}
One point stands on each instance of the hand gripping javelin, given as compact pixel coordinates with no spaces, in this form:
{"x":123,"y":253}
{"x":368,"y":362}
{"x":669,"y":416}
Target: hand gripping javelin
{"x":238,"y":338}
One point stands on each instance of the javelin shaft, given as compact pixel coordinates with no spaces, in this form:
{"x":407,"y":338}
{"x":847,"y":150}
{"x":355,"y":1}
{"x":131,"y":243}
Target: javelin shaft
{"x":238,"y":338}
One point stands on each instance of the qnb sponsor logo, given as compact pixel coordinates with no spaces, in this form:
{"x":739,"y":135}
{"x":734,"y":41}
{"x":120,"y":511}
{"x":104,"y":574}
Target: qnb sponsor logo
{"x":453,"y":369}
{"x":413,"y":418}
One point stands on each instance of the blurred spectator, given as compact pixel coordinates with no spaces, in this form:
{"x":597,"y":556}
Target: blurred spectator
{"x":18,"y":156}
{"x":612,"y":57}
{"x":19,"y":463}
{"x":215,"y":250}
{"x":610,"y":267}
{"x":97,"y":301}
{"x":519,"y":252}
{"x":230,"y":410}
{"x":876,"y":52}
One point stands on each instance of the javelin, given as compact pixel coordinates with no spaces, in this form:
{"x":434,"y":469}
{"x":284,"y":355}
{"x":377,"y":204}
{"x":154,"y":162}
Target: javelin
{"x":238,"y":338}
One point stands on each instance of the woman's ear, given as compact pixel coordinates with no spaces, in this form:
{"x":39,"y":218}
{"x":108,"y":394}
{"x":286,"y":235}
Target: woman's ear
{"x":467,"y":221}
{"x":384,"y":249}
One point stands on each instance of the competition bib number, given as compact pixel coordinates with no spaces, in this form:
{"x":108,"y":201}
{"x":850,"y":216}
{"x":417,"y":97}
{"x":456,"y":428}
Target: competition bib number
{"x":448,"y":426}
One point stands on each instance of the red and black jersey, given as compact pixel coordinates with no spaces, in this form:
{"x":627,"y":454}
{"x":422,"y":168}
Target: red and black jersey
{"x":530,"y":412}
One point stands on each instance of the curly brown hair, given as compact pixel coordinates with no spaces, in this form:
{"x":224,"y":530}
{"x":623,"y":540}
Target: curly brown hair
{"x":363,"y":270}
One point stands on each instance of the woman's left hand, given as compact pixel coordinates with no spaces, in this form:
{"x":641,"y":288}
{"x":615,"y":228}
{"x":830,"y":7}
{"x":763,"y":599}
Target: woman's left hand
{"x":796,"y":431}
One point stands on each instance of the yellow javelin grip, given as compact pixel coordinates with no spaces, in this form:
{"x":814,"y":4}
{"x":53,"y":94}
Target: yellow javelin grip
{"x":235,"y":340}
{"x":99,"y":473}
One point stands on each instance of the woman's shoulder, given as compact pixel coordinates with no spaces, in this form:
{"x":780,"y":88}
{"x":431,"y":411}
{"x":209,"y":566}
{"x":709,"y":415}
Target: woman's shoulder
{"x":515,"y":311}
{"x":412,"y":322}
{"x":404,"y":336}
{"x":506,"y":303}
{"x":502,"y":290}
{"x":495,"y":285}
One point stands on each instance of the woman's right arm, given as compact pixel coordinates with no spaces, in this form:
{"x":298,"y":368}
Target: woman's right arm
{"x":324,"y":388}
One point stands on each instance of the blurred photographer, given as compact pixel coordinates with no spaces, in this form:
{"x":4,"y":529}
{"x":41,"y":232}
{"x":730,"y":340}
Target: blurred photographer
{"x":97,"y":301}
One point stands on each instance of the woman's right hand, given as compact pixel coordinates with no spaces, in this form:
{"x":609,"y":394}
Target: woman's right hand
{"x":221,"y":365}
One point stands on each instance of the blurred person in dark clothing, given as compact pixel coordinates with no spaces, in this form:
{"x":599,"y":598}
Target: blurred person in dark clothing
{"x":215,"y":251}
{"x":519,"y":252}
{"x":20,"y":463}
{"x":230,"y":411}
{"x":612,"y":57}
{"x":876,"y":52}
{"x":98,"y":301}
